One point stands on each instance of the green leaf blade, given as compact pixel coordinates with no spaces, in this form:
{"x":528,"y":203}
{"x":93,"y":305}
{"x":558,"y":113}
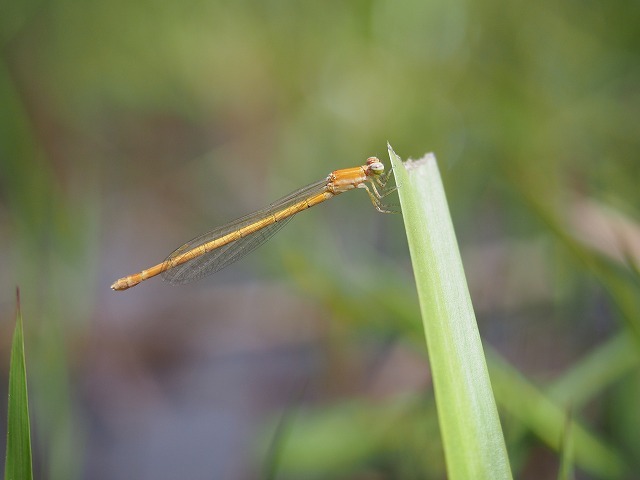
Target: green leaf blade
{"x":471,"y":431}
{"x":18,"y":465}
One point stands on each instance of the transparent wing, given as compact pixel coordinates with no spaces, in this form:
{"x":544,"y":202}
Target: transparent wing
{"x":221,"y":257}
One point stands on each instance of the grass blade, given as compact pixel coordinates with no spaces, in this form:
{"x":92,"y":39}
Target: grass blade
{"x":566,"y":448}
{"x":471,"y":432}
{"x":18,"y":462}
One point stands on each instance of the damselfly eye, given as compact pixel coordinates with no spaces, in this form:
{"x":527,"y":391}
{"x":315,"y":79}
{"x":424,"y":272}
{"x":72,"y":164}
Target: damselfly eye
{"x":375,"y":165}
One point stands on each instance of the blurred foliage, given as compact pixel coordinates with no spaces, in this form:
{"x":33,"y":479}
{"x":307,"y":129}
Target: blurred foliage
{"x":127,"y":127}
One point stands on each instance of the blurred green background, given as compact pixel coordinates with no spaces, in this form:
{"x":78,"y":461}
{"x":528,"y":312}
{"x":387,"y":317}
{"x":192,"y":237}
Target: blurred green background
{"x":127,"y":128}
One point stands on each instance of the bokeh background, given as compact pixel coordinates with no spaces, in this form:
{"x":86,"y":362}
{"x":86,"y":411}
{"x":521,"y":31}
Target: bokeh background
{"x":129,"y":127}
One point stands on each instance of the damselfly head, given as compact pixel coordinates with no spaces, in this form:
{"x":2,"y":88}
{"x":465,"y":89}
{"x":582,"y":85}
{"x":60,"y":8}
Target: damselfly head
{"x":375,"y":166}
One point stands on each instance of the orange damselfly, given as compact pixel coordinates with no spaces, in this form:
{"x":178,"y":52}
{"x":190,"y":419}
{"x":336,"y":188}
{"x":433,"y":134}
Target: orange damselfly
{"x":218,"y":248}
